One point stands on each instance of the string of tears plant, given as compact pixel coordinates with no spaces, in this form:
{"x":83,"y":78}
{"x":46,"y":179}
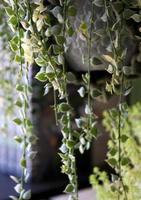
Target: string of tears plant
{"x":120,"y":110}
{"x":69,"y":161}
{"x":117,"y":74}
{"x":38,"y":29}
{"x":42,"y":31}
{"x":25,"y":138}
{"x":130,"y":155}
{"x":87,"y":124}
{"x":91,"y":123}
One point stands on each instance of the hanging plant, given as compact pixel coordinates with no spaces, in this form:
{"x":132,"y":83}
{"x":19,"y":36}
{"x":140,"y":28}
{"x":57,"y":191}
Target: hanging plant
{"x":44,"y":32}
{"x":130,"y":159}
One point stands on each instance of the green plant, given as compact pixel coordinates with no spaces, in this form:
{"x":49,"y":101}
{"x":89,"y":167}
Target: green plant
{"x":108,"y":187}
{"x":42,"y":31}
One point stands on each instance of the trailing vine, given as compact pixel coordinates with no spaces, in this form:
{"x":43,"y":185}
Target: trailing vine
{"x":42,"y":32}
{"x":117,"y":78}
{"x":130,"y":156}
{"x":68,"y":157}
{"x":87,"y":123}
{"x":25,"y":139}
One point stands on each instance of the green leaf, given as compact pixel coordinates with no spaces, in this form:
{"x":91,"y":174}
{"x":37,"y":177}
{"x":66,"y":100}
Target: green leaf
{"x":15,"y":39}
{"x":99,"y":3}
{"x":113,"y":152}
{"x":70,"y":144}
{"x":64,"y":119}
{"x":57,"y":49}
{"x":63,"y":156}
{"x":60,"y":39}
{"x":47,"y":19}
{"x":18,"y":139}
{"x":64,"y":107}
{"x":124,"y":161}
{"x":70,"y":31}
{"x":18,"y":58}
{"x":136,"y":17}
{"x":9,"y":11}
{"x":19,"y":103}
{"x":23,"y":163}
{"x":112,"y":161}
{"x":83,"y":27}
{"x":96,"y":61}
{"x":94,"y":131}
{"x":27,"y":195}
{"x":95,"y":93}
{"x":20,"y":87}
{"x":113,"y":188}
{"x":124,"y":138}
{"x":13,"y":46}
{"x":28,"y":122}
{"x":41,"y":76}
{"x":13,"y":20}
{"x":50,"y":75}
{"x":40,"y":62}
{"x":17,"y":121}
{"x":69,"y":188}
{"x":72,"y":11}
{"x":65,"y":131}
{"x":71,"y":77}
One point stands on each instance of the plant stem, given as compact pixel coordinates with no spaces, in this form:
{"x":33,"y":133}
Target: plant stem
{"x":89,"y":66}
{"x":119,"y":138}
{"x":19,"y":35}
{"x":109,"y":31}
{"x":115,"y":54}
{"x":70,"y":135}
{"x":23,"y":113}
{"x":55,"y":106}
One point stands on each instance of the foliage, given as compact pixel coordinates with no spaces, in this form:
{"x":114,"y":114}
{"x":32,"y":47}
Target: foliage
{"x":7,"y":74}
{"x":42,"y":34}
{"x":131,"y":155}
